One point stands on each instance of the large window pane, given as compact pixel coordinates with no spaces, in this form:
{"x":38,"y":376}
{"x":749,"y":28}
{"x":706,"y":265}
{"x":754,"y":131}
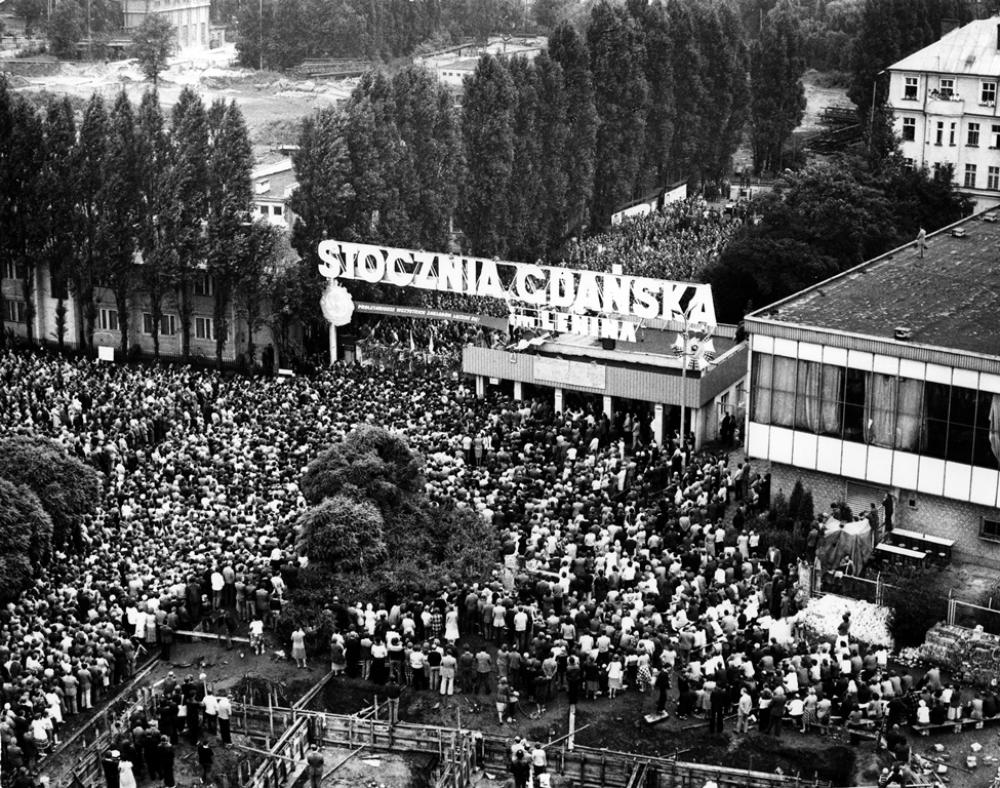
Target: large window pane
{"x":962,"y":416}
{"x":808,"y":401}
{"x":909,"y":414}
{"x":934,"y":440}
{"x":880,"y":409}
{"x":854,"y":405}
{"x":832,"y":418}
{"x":760,"y":409}
{"x":783,"y":391}
{"x":986,"y":441}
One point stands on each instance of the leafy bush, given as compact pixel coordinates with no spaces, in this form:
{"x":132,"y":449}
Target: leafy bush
{"x":66,"y":488}
{"x":919,"y":598}
{"x":26,"y":535}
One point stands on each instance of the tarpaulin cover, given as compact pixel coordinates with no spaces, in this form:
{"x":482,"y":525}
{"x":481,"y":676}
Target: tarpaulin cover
{"x":853,"y":539}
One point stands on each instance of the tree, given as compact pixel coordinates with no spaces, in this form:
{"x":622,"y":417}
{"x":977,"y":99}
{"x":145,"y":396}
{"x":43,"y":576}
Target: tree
{"x":26,"y":534}
{"x":692,"y":96}
{"x":67,"y":25}
{"x":344,"y":534}
{"x":59,"y":218}
{"x":31,"y":11}
{"x":621,"y":97}
{"x":432,"y":164}
{"x":228,"y":212}
{"x":569,"y":50}
{"x":153,"y":43}
{"x":119,"y":220}
{"x":525,"y":240}
{"x":487,"y":129}
{"x":23,"y":200}
{"x":67,"y":489}
{"x":89,"y":161}
{"x":655,"y":171}
{"x":553,"y":164}
{"x":262,"y":249}
{"x":321,"y":203}
{"x":377,"y":213}
{"x":185,"y":212}
{"x":372,"y":526}
{"x":779,"y":98}
{"x":154,"y":160}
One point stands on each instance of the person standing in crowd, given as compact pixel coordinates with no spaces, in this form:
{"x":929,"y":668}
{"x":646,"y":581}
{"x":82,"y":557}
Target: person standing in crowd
{"x":225,"y":713}
{"x":316,"y":763}
{"x":205,"y":758}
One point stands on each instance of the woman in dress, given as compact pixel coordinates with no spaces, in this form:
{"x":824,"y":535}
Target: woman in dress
{"x":299,"y":647}
{"x":380,"y":655}
{"x":451,"y":625}
{"x":126,"y":779}
{"x":615,"y":674}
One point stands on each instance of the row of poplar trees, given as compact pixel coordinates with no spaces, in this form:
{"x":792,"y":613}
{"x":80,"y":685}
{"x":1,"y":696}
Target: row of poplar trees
{"x":128,"y":185}
{"x":542,"y":149}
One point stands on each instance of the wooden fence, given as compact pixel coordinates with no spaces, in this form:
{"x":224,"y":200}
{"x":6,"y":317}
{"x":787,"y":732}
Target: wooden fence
{"x":457,"y":753}
{"x":460,"y":751}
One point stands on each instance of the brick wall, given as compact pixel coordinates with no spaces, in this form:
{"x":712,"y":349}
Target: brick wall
{"x":942,"y":517}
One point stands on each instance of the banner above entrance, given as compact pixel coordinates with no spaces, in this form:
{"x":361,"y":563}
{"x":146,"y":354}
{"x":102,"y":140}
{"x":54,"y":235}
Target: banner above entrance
{"x":526,"y":287}
{"x":396,"y":310}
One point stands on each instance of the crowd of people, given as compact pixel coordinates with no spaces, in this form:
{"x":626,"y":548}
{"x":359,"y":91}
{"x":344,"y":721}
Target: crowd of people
{"x":626,"y":566}
{"x":679,"y":241}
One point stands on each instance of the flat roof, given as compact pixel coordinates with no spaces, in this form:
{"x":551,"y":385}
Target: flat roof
{"x":654,"y":349}
{"x":949,"y":298}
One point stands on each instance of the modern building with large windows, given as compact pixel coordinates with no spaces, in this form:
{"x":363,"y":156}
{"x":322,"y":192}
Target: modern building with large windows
{"x":886,"y":378}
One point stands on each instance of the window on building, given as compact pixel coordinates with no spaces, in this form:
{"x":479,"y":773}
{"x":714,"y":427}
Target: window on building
{"x":12,"y":271}
{"x":278,"y":210}
{"x":168,"y":324}
{"x":15,"y":311}
{"x":993,"y":178}
{"x":936,"y":420}
{"x":946,"y":88}
{"x":939,"y":133}
{"x":973,"y":139}
{"x":263,"y":210}
{"x":988,"y":93}
{"x":909,"y":129}
{"x":909,"y":163}
{"x":204,"y":328}
{"x":990,"y":529}
{"x":204,"y":285}
{"x":952,"y":132}
{"x":910,"y":89}
{"x":970,"y":176}
{"x":107,"y":319}
{"x":995,"y":135}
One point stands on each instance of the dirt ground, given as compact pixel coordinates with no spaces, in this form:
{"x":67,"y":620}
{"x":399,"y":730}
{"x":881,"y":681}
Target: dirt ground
{"x":272,"y":104}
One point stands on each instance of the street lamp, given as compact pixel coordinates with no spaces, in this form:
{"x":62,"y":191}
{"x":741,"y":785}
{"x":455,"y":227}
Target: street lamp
{"x":699,"y":350}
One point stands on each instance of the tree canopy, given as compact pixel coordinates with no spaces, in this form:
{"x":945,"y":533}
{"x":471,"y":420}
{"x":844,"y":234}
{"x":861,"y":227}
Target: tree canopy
{"x":823,"y":220}
{"x":67,"y":488}
{"x":371,"y":529}
{"x":152,"y":43}
{"x":26,"y":535}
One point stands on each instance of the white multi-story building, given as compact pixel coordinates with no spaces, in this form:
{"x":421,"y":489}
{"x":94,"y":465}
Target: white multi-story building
{"x":273,"y":186}
{"x":190,"y":18}
{"x":944,"y":103}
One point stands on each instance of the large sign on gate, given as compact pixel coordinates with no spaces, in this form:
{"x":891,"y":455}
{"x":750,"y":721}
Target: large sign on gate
{"x":565,"y":300}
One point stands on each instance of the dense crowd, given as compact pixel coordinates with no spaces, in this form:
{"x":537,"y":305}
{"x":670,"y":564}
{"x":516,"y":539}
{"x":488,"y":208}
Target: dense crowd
{"x":679,"y":241}
{"x":625,"y":566}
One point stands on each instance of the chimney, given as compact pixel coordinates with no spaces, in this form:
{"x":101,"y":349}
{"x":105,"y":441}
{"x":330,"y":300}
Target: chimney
{"x":903,"y":333}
